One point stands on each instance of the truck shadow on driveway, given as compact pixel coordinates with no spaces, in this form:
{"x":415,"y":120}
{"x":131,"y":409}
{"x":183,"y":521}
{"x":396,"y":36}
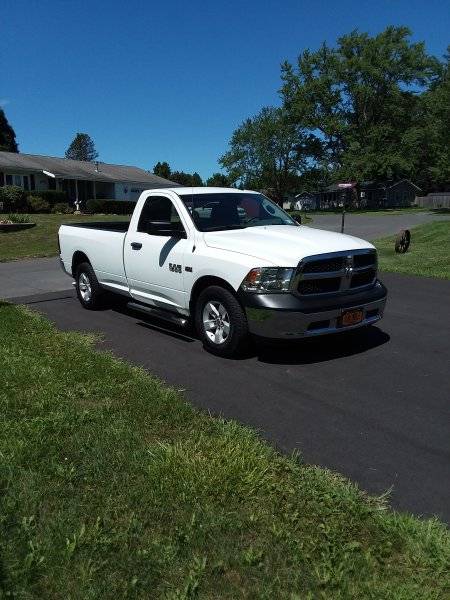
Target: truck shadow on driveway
{"x":321,"y":349}
{"x":289,"y":352}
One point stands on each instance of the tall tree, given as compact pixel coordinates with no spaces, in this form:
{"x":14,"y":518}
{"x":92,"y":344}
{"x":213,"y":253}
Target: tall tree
{"x":429,"y":140}
{"x":162,"y":169}
{"x":7,"y":135}
{"x":268,"y":152}
{"x":82,"y":148}
{"x":218,"y":180}
{"x":361,"y":100}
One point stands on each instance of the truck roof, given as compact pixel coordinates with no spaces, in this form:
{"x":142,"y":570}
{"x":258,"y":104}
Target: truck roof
{"x":183,"y":191}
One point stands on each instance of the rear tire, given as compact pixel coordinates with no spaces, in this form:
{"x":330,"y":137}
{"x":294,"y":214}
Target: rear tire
{"x":220,"y":322}
{"x":89,"y":292}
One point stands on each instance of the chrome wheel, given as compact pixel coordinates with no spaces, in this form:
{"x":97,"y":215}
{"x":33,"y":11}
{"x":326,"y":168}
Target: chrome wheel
{"x":216,"y":322}
{"x":84,"y":285}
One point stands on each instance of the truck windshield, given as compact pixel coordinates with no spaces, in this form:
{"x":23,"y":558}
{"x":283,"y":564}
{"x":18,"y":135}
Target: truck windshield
{"x":216,"y":212}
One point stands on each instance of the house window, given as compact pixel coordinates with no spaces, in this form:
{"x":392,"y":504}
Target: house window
{"x":18,"y":180}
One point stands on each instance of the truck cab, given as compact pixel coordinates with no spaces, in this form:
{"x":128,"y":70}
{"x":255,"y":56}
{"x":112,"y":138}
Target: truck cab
{"x":229,"y":261}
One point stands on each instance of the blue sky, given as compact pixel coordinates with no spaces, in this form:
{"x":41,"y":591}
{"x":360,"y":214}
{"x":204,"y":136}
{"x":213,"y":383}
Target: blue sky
{"x":169,"y":80}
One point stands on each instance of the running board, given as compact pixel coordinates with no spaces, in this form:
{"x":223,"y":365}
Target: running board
{"x":158,"y":313}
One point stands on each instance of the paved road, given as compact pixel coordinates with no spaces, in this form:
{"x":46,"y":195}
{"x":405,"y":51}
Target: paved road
{"x":374,"y":408}
{"x":371,"y":227}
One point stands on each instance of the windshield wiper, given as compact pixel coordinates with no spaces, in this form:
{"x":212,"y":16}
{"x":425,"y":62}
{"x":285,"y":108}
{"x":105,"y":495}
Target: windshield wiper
{"x":225,"y":227}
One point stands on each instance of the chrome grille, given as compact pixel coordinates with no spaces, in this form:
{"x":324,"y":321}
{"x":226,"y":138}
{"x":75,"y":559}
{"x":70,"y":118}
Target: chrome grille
{"x":336,"y":272}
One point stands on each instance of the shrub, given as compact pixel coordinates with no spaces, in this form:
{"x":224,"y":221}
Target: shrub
{"x":13,"y":198}
{"x":110,"y":207}
{"x":51,"y":196}
{"x":15,"y":218}
{"x":62,"y":208}
{"x":37,"y":205}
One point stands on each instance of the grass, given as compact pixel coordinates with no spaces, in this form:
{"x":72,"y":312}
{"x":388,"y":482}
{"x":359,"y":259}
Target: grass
{"x":373,"y":212}
{"x":428,"y":254}
{"x":114,"y":487}
{"x":41,"y":240}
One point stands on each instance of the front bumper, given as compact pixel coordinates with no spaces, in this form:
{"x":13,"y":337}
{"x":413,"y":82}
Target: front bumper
{"x":285,"y":316}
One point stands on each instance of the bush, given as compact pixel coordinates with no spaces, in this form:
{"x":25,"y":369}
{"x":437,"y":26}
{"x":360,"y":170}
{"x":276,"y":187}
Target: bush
{"x":37,"y":205}
{"x":62,"y":208}
{"x":110,"y":207}
{"x":15,"y":218}
{"x":51,"y":196}
{"x":13,"y":198}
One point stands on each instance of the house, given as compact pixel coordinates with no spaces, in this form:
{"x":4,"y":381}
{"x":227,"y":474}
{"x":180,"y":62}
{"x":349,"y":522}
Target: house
{"x":388,"y":194}
{"x":305,"y":201}
{"x":372,"y":194}
{"x":79,"y":179}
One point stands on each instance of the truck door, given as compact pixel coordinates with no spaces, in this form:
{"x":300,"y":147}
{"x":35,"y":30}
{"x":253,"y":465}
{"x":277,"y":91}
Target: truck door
{"x":154,"y":261}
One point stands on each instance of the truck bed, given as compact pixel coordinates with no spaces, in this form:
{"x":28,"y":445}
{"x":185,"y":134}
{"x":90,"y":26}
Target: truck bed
{"x":120,"y":226}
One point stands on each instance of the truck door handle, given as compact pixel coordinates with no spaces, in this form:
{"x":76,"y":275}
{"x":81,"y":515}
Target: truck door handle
{"x":136,"y":245}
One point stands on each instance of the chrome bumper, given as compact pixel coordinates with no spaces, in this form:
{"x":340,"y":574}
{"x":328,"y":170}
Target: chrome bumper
{"x":290,"y":324}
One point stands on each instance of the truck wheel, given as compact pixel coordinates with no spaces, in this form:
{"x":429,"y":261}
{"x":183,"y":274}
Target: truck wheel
{"x":220,"y":322}
{"x":89,"y":292}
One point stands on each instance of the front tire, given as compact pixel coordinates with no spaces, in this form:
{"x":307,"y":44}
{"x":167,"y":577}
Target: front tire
{"x":221,"y":322}
{"x":89,"y":292}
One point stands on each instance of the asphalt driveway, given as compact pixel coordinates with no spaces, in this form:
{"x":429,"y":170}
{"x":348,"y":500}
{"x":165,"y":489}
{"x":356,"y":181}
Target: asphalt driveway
{"x":374,"y":407}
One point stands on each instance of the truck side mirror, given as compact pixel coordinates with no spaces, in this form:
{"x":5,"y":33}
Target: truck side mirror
{"x":298,"y":218}
{"x":166,"y":228}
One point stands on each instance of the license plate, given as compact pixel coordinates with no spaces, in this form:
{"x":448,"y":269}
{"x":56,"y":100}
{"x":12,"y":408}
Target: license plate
{"x":352,"y":317}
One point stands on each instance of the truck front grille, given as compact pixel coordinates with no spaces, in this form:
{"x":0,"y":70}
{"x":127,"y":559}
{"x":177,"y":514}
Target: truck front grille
{"x":325,"y":265}
{"x":319,"y":286}
{"x":336,"y":272}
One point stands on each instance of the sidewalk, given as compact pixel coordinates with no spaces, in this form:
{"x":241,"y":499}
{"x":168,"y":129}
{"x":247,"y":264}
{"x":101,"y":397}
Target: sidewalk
{"x":33,"y":276}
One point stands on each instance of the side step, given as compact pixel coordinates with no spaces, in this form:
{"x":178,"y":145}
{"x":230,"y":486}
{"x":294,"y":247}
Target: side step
{"x":159,"y":314}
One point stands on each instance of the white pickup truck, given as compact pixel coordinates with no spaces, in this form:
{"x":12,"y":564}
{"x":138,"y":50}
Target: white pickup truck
{"x":231,"y":262}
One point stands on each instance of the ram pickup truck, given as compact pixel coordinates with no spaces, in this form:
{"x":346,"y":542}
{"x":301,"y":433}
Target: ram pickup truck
{"x":230,"y":262}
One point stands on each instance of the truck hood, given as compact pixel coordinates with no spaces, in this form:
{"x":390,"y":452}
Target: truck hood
{"x":282,"y":245}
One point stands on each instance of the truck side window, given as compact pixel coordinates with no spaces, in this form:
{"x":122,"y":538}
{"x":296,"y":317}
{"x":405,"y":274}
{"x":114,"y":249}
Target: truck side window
{"x":158,"y":208}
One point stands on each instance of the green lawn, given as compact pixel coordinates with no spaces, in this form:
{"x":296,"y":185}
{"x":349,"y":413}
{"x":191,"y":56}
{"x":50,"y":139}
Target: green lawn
{"x":41,"y":240}
{"x":428,"y":254}
{"x":114,"y":487}
{"x":377,"y":212}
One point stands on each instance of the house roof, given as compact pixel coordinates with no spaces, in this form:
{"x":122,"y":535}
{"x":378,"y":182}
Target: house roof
{"x":77,"y":169}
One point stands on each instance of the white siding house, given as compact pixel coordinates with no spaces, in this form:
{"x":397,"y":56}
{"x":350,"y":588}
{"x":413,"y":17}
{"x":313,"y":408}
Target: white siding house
{"x":79,"y":179}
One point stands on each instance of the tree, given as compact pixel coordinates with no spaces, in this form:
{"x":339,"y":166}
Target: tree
{"x":162,"y":169}
{"x":429,"y":140}
{"x":268,"y":152}
{"x":186,"y":179}
{"x":82,"y":148}
{"x":7,"y":135}
{"x":361,"y":100}
{"x":218,"y":180}
{"x":196,"y":180}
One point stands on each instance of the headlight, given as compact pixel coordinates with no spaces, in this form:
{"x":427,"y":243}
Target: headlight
{"x":264,"y":280}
